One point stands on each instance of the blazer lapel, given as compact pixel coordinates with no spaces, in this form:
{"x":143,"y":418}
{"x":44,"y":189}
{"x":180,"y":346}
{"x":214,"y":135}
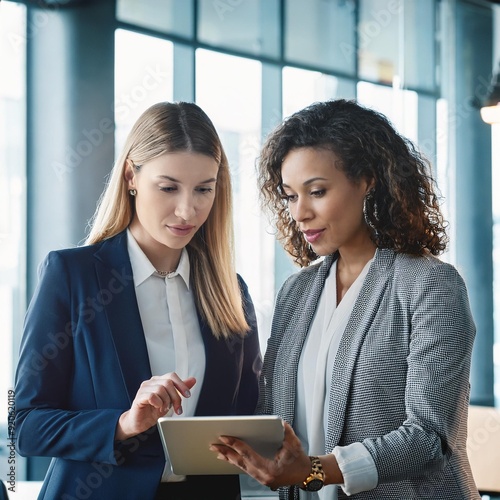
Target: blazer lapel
{"x":114,"y":274}
{"x":294,"y":337}
{"x":365,"y":308}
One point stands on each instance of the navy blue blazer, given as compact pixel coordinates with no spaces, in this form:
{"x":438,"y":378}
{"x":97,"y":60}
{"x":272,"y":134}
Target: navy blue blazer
{"x":83,"y":357}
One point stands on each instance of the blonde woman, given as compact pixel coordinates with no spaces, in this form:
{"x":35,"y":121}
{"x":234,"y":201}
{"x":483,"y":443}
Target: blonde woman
{"x":148,"y":319}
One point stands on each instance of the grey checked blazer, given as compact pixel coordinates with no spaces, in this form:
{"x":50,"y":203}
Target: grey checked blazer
{"x":400,"y":383}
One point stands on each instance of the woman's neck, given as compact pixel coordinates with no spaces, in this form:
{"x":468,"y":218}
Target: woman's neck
{"x":163,"y":258}
{"x":349,"y":267}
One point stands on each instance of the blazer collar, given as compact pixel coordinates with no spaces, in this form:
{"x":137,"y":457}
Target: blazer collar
{"x":364,"y":310}
{"x":116,"y":283}
{"x":296,"y":330}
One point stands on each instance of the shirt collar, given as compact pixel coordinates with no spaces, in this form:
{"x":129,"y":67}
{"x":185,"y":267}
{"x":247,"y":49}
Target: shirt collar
{"x":142,"y":268}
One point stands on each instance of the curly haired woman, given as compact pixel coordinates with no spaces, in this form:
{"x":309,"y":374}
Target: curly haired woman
{"x":369,"y":356}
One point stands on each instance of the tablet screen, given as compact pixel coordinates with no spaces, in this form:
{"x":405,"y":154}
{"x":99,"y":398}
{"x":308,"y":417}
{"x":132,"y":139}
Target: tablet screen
{"x":186,"y":440}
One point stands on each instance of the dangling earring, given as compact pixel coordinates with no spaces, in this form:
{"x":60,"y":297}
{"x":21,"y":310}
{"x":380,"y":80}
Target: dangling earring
{"x":132,"y":192}
{"x":373,"y":216}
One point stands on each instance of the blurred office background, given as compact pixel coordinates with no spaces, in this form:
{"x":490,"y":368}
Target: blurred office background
{"x":75,"y":75}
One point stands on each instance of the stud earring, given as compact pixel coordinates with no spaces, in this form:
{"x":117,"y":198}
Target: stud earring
{"x":132,"y":192}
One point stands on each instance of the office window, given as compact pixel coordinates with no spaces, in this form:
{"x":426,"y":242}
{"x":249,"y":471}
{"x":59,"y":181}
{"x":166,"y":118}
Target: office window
{"x":379,"y":37}
{"x":443,"y":173}
{"x":420,"y":31}
{"x":234,"y":105}
{"x":496,"y":257}
{"x":143,"y":76}
{"x":392,"y":38}
{"x":251,"y":27}
{"x":428,"y":128}
{"x":12,"y":192}
{"x":302,"y":87}
{"x":165,"y":16}
{"x":400,"y":106}
{"x":320,"y":33}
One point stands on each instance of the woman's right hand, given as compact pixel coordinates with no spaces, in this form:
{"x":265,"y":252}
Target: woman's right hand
{"x":153,"y":400}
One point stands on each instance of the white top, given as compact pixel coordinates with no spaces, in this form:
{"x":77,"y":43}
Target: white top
{"x":314,"y":379}
{"x":170,"y":324}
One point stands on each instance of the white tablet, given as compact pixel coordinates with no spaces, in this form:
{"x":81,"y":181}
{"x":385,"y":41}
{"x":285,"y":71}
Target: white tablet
{"x":186,"y":440}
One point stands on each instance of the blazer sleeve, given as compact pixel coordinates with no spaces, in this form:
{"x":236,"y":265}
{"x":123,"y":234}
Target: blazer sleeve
{"x":285,"y":303}
{"x":48,"y":422}
{"x":265,"y":404}
{"x":442,"y":333}
{"x":252,"y":358}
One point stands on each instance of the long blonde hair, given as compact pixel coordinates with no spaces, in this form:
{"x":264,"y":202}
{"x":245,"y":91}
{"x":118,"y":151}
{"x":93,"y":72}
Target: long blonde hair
{"x":183,"y":127}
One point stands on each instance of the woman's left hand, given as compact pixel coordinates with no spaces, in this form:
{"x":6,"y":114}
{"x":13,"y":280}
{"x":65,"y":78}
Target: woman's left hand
{"x":289,"y":466}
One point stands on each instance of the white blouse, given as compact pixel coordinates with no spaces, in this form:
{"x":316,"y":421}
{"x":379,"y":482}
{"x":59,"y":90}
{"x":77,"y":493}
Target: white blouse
{"x":314,"y":379}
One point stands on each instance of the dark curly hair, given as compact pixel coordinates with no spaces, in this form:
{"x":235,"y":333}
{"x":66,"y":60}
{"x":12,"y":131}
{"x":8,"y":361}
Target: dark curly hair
{"x":402,"y":208}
